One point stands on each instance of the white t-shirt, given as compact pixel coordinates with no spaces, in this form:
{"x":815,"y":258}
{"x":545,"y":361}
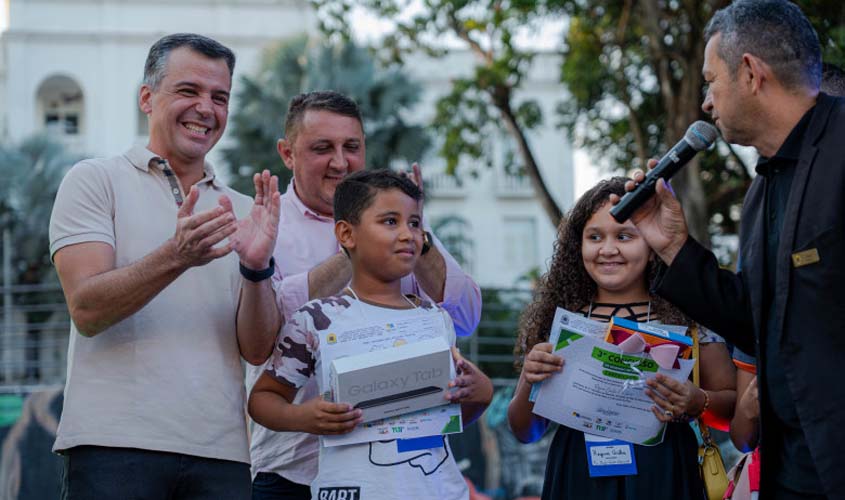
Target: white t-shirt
{"x":367,"y":471}
{"x":306,"y":239}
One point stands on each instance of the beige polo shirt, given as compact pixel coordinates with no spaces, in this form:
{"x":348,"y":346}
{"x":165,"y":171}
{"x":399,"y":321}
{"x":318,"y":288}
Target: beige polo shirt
{"x":169,"y":377}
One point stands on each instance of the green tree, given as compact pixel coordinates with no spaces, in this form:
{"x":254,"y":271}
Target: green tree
{"x":634,"y":73}
{"x":32,"y":172}
{"x":632,"y":69}
{"x":828,"y":17}
{"x":482,"y":104}
{"x":384,"y":95}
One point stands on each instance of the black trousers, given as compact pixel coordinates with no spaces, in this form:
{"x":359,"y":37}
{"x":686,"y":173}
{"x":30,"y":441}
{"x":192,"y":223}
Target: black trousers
{"x":269,"y":486}
{"x":102,"y":473}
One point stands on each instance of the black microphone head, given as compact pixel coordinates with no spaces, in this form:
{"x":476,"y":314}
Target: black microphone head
{"x":701,"y":135}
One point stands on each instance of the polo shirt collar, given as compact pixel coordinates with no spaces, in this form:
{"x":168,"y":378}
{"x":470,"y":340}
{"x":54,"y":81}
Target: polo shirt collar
{"x":302,"y":208}
{"x":142,"y":158}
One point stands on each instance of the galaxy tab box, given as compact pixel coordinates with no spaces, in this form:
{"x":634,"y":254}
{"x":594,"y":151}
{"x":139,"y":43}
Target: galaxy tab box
{"x":394,"y":381}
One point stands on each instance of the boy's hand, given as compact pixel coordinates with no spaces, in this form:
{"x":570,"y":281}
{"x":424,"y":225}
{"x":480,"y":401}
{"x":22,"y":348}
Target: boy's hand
{"x":470,"y":386}
{"x":324,"y":417}
{"x":540,"y":363}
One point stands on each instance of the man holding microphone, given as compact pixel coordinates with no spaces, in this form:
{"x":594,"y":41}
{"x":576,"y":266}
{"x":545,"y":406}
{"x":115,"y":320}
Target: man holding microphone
{"x":762,"y":66}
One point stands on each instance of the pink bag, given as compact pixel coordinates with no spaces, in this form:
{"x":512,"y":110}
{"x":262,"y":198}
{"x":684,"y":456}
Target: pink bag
{"x":744,"y":478}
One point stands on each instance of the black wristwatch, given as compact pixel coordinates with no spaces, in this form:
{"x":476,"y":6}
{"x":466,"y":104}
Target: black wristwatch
{"x":427,"y":242}
{"x":256,"y":276}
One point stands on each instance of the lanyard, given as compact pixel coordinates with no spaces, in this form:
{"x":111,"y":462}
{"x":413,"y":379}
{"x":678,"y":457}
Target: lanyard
{"x":361,"y":310}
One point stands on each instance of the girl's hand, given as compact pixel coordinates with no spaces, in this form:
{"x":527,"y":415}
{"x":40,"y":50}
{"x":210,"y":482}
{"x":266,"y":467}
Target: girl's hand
{"x":470,"y":386}
{"x":674,"y":399}
{"x":541,"y":364}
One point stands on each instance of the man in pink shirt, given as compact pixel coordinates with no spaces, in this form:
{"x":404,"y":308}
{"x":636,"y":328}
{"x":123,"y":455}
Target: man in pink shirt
{"x":324,"y":141}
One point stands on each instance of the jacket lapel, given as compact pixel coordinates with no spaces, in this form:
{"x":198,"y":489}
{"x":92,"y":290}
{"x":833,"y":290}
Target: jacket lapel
{"x":809,"y":150}
{"x":752,"y":260}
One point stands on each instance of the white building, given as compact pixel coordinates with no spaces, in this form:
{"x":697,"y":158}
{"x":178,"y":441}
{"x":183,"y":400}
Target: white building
{"x":507,"y":230}
{"x":74,"y":66}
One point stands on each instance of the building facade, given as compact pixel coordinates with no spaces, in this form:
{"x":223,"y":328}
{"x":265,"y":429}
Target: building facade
{"x":74,"y":67}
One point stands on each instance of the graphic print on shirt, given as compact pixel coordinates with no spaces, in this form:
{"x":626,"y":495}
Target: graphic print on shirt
{"x":428,"y":461}
{"x":296,"y":360}
{"x":339,"y":493}
{"x":299,"y":361}
{"x":315,"y":310}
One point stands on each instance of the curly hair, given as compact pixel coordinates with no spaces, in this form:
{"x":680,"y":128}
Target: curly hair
{"x":567,"y":283}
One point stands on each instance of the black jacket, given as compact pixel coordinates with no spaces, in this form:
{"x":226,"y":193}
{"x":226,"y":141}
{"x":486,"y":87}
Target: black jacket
{"x":809,"y":295}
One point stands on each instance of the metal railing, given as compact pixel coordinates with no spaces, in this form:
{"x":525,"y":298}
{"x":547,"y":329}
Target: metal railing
{"x":35,"y":324}
{"x":443,"y":185}
{"x":513,"y":185}
{"x":33,"y":340}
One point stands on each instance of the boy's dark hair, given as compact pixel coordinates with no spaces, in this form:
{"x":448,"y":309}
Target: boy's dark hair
{"x":156,"y":64}
{"x":356,"y":192}
{"x":319,"y":100}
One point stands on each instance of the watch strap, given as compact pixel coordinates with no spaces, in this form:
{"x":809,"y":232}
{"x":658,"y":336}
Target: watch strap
{"x":426,"y":246}
{"x":256,"y":276}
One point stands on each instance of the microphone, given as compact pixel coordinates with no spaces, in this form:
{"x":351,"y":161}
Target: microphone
{"x":700,"y":135}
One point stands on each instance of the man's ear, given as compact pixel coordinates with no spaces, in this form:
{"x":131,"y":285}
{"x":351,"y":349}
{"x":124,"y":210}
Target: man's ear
{"x":145,"y":99}
{"x":345,"y":235}
{"x":754,"y":72}
{"x":285,"y":149}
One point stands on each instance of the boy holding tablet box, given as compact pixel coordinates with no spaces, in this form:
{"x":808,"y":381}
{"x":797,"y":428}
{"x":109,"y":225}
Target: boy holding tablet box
{"x":378,"y":223}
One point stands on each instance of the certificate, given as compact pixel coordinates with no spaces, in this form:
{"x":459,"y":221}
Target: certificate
{"x":596,"y":392}
{"x":362,"y":337}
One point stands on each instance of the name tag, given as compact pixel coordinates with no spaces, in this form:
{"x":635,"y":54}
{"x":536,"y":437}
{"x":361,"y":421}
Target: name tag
{"x":609,"y":457}
{"x":805,"y":257}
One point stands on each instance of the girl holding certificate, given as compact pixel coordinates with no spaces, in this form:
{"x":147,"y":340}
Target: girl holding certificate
{"x":601,"y":269}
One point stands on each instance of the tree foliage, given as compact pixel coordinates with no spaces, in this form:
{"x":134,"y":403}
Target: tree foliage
{"x":634,"y":73}
{"x":482,"y":103}
{"x":32,"y":172}
{"x":300,"y":65}
{"x":632,"y":69}
{"x":828,"y":17}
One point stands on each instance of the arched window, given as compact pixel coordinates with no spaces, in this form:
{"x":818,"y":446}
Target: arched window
{"x":61,"y":106}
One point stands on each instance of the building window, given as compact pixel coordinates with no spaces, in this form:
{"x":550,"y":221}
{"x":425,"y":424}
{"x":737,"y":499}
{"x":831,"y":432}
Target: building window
{"x":61,"y":105}
{"x":67,"y":124}
{"x":520,"y":243}
{"x":512,"y":179}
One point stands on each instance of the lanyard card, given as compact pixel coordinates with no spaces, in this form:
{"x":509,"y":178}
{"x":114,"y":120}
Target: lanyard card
{"x":609,"y":457}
